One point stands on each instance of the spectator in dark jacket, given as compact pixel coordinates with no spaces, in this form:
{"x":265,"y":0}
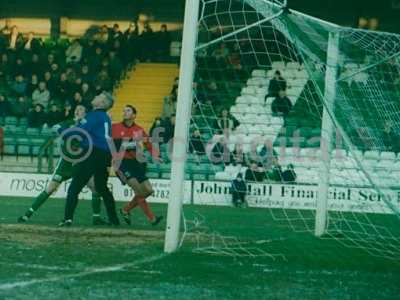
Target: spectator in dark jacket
{"x":67,"y":112}
{"x":169,"y":128}
{"x":5,"y":106}
{"x":31,"y":44}
{"x":37,"y":117}
{"x":20,"y":107}
{"x":87,"y":95}
{"x":147,"y":42}
{"x":131,"y":39}
{"x":226,"y":123}
{"x":35,"y":66}
{"x":276,"y":84}
{"x":5,"y":66}
{"x":33,"y":84}
{"x":239,"y":191}
{"x":282,"y":105}
{"x":289,"y":175}
{"x":196,"y":143}
{"x":18,"y":86}
{"x":163,"y":38}
{"x":54,"y":115}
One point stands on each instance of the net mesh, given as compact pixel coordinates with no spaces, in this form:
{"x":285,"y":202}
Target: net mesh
{"x":267,"y":127}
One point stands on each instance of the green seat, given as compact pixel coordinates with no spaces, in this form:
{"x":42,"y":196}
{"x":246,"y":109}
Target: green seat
{"x":165,"y":168}
{"x":46,"y":131}
{"x":23,"y":122}
{"x":166,"y":175}
{"x":10,"y":129}
{"x":153,"y":175}
{"x":1,"y":121}
{"x":10,"y":145}
{"x":32,"y":132}
{"x":23,"y":146}
{"x":20,"y":131}
{"x":10,"y":121}
{"x":36,"y":144}
{"x":153,"y":168}
{"x":199,"y":177}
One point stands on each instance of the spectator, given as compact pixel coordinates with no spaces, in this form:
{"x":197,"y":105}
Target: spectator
{"x":54,"y":115}
{"x":131,"y":38}
{"x":221,"y":53}
{"x":169,"y":107}
{"x":267,"y":155}
{"x":276,"y":84}
{"x":147,"y":42}
{"x":96,"y":59}
{"x":41,"y":95}
{"x":157,"y":132}
{"x":211,"y":95}
{"x":71,"y":75}
{"x":289,"y":175}
{"x":169,"y":128}
{"x":18,"y":86}
{"x":114,"y":34}
{"x":37,"y":117}
{"x":196,"y":144}
{"x":115,"y":66}
{"x":102,"y":36}
{"x":6,"y":30}
{"x":35,"y":66}
{"x":238,"y":157}
{"x":5,"y":65}
{"x":15,"y":39}
{"x":87,"y":95}
{"x":67,"y":113}
{"x":20,"y":107}
{"x":31,"y":43}
{"x":46,"y":65}
{"x":50,"y":82}
{"x":5,"y":106}
{"x":19,"y":68}
{"x":77,"y":100}
{"x":77,"y":85}
{"x":174,"y":90}
{"x":234,"y":58}
{"x":163,"y":39}
{"x":73,"y":54}
{"x":239,"y":191}
{"x":55,"y":72}
{"x":86,"y":75}
{"x":63,"y":88}
{"x":103,"y":80}
{"x":33,"y":84}
{"x":255,"y":173}
{"x":226,"y":123}
{"x":282,"y":105}
{"x":220,"y":152}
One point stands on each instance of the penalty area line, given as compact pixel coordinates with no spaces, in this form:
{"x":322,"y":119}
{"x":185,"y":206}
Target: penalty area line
{"x":87,"y":272}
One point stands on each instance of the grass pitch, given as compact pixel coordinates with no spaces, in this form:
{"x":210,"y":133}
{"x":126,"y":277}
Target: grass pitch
{"x":41,"y":261}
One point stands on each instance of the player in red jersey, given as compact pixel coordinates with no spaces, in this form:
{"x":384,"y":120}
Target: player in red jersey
{"x":130,"y":164}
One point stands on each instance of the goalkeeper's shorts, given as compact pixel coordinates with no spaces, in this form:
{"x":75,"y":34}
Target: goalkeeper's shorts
{"x":131,"y":168}
{"x":62,"y":172}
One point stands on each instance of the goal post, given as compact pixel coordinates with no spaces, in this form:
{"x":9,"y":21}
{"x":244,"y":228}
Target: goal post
{"x":184,"y":104}
{"x":256,"y":123}
{"x":327,"y":131}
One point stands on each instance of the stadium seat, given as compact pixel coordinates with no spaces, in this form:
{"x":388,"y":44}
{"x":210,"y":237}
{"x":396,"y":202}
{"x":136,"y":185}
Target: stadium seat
{"x":23,"y":146}
{"x":387,"y":155}
{"x":278,"y":65}
{"x":10,"y":121}
{"x":10,"y":145}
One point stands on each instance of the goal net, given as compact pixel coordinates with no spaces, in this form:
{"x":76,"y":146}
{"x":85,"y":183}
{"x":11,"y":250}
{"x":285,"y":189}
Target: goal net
{"x":308,"y":113}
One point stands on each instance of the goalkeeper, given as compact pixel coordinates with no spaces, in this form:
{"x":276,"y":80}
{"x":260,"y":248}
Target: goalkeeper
{"x":62,"y":173}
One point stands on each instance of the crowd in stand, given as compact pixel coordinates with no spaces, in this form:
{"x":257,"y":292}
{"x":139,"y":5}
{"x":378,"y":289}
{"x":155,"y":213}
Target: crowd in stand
{"x":46,"y":83}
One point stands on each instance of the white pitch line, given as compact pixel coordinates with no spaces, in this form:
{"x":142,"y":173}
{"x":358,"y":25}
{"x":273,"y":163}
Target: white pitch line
{"x":8,"y":286}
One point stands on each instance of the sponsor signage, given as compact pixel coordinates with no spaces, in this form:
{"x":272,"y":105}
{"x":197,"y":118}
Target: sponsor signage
{"x":286,"y":196}
{"x":29,"y":185}
{"x":295,"y":196}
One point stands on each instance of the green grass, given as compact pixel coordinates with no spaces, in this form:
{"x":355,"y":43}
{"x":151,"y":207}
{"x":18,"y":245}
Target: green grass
{"x":41,"y":261}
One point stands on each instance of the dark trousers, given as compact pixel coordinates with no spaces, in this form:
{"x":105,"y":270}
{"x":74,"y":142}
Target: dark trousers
{"x":238,"y":197}
{"x":95,"y":165}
